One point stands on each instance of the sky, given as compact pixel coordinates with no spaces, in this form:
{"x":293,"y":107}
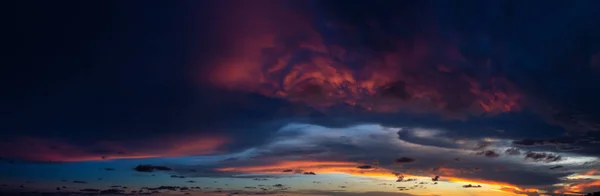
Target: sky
{"x":300,"y":97}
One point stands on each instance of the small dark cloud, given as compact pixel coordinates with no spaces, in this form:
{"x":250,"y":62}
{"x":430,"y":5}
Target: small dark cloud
{"x":79,"y":182}
{"x":364,"y":167}
{"x":287,"y":170}
{"x":404,"y":160}
{"x":557,"y":167}
{"x":569,"y":148}
{"x":112,"y":191}
{"x":90,"y":190}
{"x":471,"y":186}
{"x":169,"y":188}
{"x":542,"y":156}
{"x":401,"y":179}
{"x":534,"y":142}
{"x":309,"y":173}
{"x":528,"y":142}
{"x":488,"y":153}
{"x":436,"y":178}
{"x":109,"y":169}
{"x":177,"y":176}
{"x":512,"y":151}
{"x":151,"y":168}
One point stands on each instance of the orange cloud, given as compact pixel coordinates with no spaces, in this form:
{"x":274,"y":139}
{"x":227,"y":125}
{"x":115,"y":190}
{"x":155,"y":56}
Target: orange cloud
{"x":581,"y":186}
{"x":582,"y":182}
{"x":591,"y":172}
{"x":36,"y":149}
{"x":276,"y":52}
{"x":499,"y":186}
{"x":319,"y":167}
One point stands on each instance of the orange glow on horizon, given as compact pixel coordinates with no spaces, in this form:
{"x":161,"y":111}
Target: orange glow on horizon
{"x":318,"y":167}
{"x":327,"y":167}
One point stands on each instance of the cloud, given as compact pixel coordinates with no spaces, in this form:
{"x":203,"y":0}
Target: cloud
{"x":512,"y":151}
{"x":57,"y":150}
{"x":374,"y":193}
{"x":307,"y":63}
{"x":521,"y":192}
{"x":404,"y":160}
{"x":471,"y":186}
{"x":557,"y":167}
{"x":542,"y":156}
{"x":150,"y":168}
{"x":488,"y":153}
{"x":345,"y":150}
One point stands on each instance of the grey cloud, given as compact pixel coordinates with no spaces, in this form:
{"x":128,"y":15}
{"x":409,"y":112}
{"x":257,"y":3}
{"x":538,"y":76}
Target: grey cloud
{"x":392,"y":153}
{"x":512,"y":151}
{"x":542,"y":156}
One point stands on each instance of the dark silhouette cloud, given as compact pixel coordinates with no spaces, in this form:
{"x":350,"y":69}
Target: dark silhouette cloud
{"x":150,"y":168}
{"x":471,"y":186}
{"x":404,"y":160}
{"x":557,"y":167}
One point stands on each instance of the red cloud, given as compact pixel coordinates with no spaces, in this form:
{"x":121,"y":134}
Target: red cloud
{"x":276,"y":52}
{"x":36,"y":149}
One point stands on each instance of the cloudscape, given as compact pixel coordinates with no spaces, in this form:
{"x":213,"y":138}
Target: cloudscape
{"x":301,"y":98}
